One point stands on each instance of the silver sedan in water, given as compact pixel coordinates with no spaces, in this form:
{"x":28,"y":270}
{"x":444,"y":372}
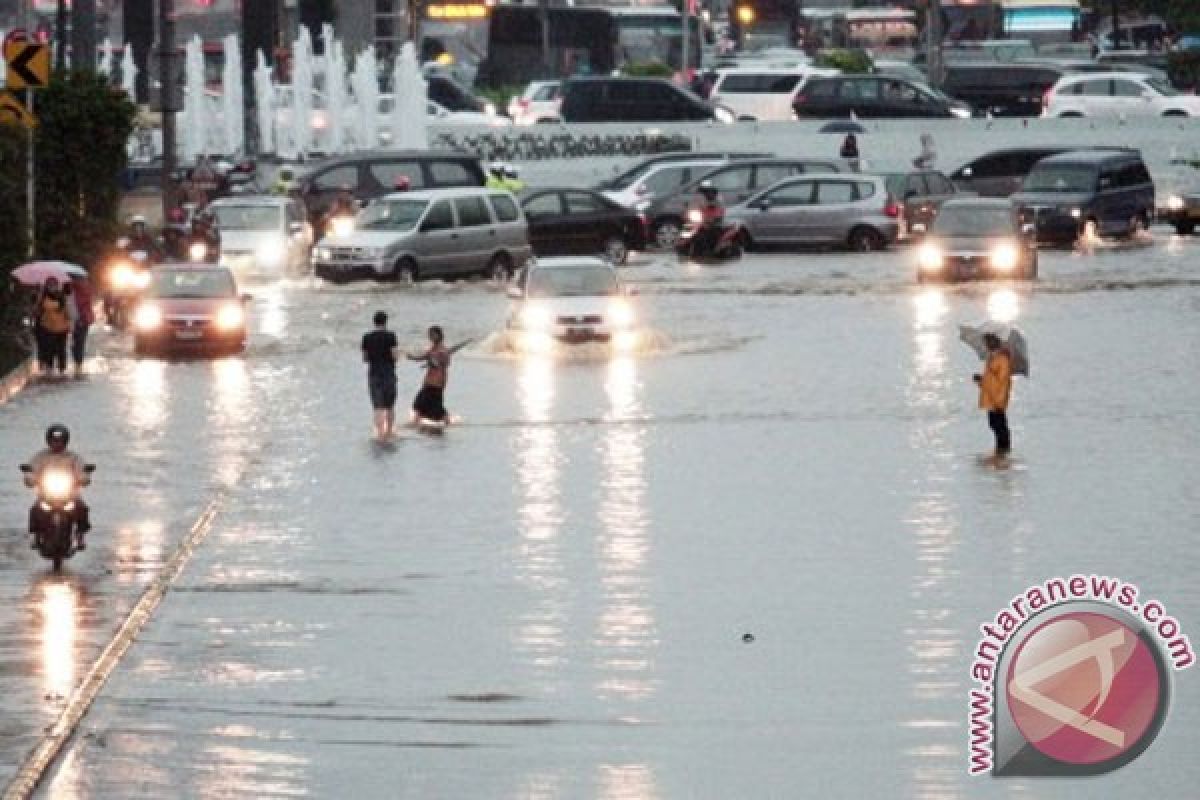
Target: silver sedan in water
{"x":840,"y":209}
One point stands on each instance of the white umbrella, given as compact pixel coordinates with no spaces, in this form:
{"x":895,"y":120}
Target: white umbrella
{"x":1012,"y":339}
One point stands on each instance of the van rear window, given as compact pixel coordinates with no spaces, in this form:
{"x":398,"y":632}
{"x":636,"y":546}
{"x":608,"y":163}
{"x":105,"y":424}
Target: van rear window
{"x":759,"y":84}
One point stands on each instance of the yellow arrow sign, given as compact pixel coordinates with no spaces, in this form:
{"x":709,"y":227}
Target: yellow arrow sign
{"x":13,"y":111}
{"x":28,"y":65}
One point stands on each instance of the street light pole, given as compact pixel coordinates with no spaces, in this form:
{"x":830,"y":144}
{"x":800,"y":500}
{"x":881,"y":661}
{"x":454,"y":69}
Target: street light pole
{"x":168,"y":99}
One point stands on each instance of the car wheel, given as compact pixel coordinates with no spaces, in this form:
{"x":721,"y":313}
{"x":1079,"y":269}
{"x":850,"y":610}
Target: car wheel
{"x":1185,"y":228}
{"x":666,"y":233}
{"x":406,"y":271}
{"x":865,"y":240}
{"x":1070,"y":115}
{"x":616,"y":251}
{"x":1175,"y":113}
{"x":500,"y":268}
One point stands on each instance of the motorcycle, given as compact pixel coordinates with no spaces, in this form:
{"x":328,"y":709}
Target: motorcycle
{"x":128,"y":275}
{"x":202,"y":250}
{"x":708,"y":241}
{"x":54,"y":513}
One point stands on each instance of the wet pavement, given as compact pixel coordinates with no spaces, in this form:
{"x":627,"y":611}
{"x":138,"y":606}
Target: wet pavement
{"x":553,"y":599}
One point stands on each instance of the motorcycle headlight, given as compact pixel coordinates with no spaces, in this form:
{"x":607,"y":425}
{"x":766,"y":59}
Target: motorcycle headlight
{"x":230,"y":317}
{"x":121,"y":276}
{"x":57,"y":484}
{"x":1004,"y":257}
{"x":695,"y":216}
{"x":536,"y":318}
{"x":147,"y":317}
{"x":930,"y":258}
{"x":269,"y":254}
{"x":1175,"y":203}
{"x":621,"y":314}
{"x":197,"y":251}
{"x":140,"y":279}
{"x":342,"y":226}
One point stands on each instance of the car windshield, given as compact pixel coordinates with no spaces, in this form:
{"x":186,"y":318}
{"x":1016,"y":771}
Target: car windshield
{"x":1061,"y":178}
{"x":1162,"y":87}
{"x":967,"y":221}
{"x":391,"y":215}
{"x":192,"y":283}
{"x":627,"y":179}
{"x":573,"y":282}
{"x":247,"y":218}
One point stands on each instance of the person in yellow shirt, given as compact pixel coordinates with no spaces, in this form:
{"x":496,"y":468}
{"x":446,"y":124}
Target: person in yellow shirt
{"x":52,"y":323}
{"x":995,"y":386}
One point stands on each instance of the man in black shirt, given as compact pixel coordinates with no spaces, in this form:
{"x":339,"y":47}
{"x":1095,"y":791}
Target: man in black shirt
{"x":379,"y":348}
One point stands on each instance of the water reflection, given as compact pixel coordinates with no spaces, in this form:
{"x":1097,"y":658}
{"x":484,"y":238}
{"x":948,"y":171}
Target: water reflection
{"x":58,"y":607}
{"x":934,"y":643}
{"x":540,"y":518}
{"x":1003,"y":305}
{"x":627,"y":632}
{"x":270,"y":312}
{"x":148,"y":405}
{"x":626,"y":782}
{"x":231,"y":412}
{"x":139,"y":549}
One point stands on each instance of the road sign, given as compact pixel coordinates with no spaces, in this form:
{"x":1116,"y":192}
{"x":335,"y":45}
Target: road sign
{"x":28,"y":65}
{"x":12,"y":110}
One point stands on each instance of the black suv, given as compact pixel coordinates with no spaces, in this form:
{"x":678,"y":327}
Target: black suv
{"x":1087,"y":193}
{"x":872,"y":96}
{"x":372,"y":175}
{"x":634,"y":100}
{"x":1006,"y":90}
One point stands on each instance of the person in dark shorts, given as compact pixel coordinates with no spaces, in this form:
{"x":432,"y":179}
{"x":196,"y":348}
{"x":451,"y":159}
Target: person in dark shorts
{"x":379,"y":350}
{"x":430,"y":401}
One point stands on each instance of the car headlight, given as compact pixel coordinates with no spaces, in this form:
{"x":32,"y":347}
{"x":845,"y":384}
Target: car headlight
{"x":269,"y":253}
{"x":1075,"y":213}
{"x":695,"y":216}
{"x":930,"y":258}
{"x":1004,"y":257}
{"x":621,"y":314}
{"x":724,"y":115}
{"x":1175,"y":203}
{"x":140,"y":279}
{"x":121,"y":276}
{"x":57,"y":484}
{"x":147,"y":317}
{"x":323,"y":254}
{"x":960,"y":113}
{"x":197,"y":251}
{"x":536,"y":318}
{"x":230,"y":317}
{"x":342,"y":226}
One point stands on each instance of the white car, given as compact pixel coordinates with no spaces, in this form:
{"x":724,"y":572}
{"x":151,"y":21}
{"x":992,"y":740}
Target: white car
{"x":571,"y":300}
{"x":658,"y":181}
{"x":762,"y":93}
{"x":1112,"y":94}
{"x":538,"y":103}
{"x":263,"y":236}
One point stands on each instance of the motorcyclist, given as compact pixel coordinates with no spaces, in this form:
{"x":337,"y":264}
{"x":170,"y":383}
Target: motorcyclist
{"x":140,"y":238}
{"x":495,"y":178}
{"x":512,"y":180}
{"x":57,"y":456}
{"x":204,"y":232}
{"x":711,"y":223}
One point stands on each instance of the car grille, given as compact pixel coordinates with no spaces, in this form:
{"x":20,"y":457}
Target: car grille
{"x":350,"y":254}
{"x":588,"y":319}
{"x":189,"y":322}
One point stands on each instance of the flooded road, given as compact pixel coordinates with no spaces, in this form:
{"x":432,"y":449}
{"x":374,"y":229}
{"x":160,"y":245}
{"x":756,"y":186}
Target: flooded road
{"x":749,"y":562}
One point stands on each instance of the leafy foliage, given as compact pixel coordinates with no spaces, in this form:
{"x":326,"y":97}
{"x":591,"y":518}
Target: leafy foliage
{"x":648,"y":69}
{"x":849,"y":61}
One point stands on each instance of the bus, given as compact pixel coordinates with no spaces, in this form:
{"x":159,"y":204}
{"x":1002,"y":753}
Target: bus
{"x":763,"y":24}
{"x":882,"y":31}
{"x":1042,"y":20}
{"x":582,"y":41}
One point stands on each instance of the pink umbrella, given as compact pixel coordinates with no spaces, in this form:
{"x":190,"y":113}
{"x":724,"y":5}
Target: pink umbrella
{"x":35,"y":272}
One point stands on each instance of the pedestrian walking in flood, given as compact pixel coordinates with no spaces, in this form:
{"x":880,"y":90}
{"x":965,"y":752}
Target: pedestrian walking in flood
{"x":82,"y":313}
{"x":995,"y":387}
{"x":51,"y":324}
{"x":928,"y":155}
{"x":380,"y":352}
{"x":849,"y":151}
{"x":430,"y":402}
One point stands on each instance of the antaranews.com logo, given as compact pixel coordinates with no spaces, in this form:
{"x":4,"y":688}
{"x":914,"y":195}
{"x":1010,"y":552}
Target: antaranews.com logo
{"x":1072,"y":678}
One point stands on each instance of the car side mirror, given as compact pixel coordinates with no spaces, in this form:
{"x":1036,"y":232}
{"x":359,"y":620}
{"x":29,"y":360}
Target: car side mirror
{"x":514,"y":292}
{"x":26,"y":469}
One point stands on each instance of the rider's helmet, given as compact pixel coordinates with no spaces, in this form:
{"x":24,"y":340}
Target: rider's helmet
{"x":57,"y":437}
{"x":708,"y":190}
{"x":138,"y":223}
{"x":496,"y":168}
{"x":510,"y":172}
{"x":402,"y":183}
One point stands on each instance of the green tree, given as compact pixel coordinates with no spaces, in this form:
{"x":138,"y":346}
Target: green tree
{"x":84,"y":127}
{"x":14,"y":233}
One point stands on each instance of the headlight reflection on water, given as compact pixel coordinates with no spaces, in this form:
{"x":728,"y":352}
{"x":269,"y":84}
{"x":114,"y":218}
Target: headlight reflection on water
{"x":1003,"y":305}
{"x":58,"y":611}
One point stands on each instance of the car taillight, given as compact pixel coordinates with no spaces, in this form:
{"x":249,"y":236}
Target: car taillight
{"x":892,"y":209}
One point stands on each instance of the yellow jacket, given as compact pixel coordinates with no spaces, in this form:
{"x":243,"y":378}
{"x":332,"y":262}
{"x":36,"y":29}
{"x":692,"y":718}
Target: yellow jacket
{"x":996,"y":382}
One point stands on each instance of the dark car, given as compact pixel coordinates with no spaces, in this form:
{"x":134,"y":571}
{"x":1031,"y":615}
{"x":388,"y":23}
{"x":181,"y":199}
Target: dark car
{"x":1001,"y":172}
{"x":630,"y":176}
{"x":451,"y":95}
{"x":922,"y":193}
{"x":581,"y":222}
{"x":872,"y":96}
{"x":977,"y":238}
{"x":190,"y":308}
{"x":1003,"y":89}
{"x":734,"y":182}
{"x":374,"y":174}
{"x":634,"y":100}
{"x":1087,"y":193}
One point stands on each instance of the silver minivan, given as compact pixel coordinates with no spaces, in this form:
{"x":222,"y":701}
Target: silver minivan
{"x":840,"y":209}
{"x":436,"y":233}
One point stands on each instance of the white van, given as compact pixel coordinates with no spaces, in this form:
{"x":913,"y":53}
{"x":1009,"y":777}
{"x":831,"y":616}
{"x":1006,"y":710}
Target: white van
{"x":762,"y":92}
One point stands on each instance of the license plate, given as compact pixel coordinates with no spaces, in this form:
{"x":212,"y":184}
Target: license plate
{"x":188,"y":334}
{"x":579,"y":333}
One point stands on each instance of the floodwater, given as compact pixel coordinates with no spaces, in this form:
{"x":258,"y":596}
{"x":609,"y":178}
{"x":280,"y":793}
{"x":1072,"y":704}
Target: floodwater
{"x":750,"y":561}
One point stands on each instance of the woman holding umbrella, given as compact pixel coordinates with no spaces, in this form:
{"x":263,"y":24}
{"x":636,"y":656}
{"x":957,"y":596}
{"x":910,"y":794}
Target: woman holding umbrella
{"x":995,"y":386}
{"x":51,"y":324}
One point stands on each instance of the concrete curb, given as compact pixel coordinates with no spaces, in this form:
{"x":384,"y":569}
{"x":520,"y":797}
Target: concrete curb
{"x":35,"y":766}
{"x":15,"y":380}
